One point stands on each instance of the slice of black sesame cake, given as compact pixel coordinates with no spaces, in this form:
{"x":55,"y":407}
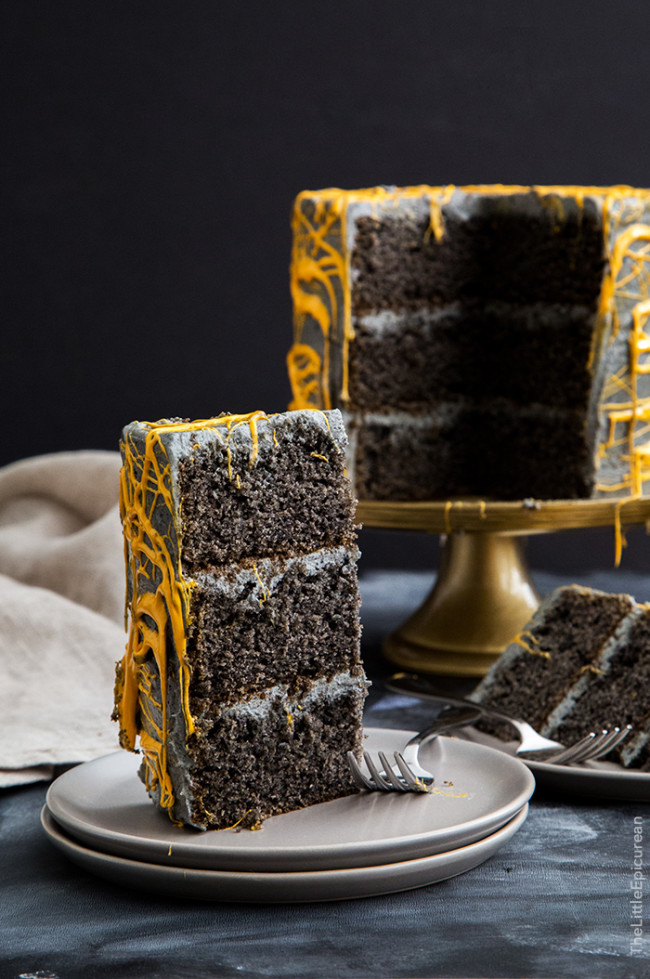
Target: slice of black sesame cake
{"x":580,"y":665}
{"x":242,"y":679}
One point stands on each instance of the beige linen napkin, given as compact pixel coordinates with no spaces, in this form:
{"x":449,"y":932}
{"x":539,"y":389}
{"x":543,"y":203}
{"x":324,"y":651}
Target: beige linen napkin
{"x":61,"y":611}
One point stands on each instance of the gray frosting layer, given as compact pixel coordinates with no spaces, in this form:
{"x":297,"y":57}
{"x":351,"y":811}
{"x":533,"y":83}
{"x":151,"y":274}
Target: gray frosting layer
{"x":254,"y":585}
{"x":321,"y":689}
{"x":534,"y":316}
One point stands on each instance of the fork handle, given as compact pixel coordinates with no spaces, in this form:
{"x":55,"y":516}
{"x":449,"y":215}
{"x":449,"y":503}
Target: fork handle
{"x":456,"y":718}
{"x":420,"y":686}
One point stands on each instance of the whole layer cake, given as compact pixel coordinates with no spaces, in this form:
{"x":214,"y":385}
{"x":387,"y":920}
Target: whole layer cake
{"x":482,"y":341}
{"x":242,"y":680}
{"x":582,"y":664}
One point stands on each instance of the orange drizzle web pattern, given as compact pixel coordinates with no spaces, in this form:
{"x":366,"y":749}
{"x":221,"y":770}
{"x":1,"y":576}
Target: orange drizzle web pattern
{"x":625,"y":409}
{"x":317,"y":275}
{"x":320,"y":286}
{"x":160,"y":600}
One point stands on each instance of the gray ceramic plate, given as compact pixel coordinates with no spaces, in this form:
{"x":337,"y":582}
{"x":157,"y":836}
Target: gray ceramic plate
{"x":103,"y":805}
{"x":593,"y":779}
{"x":315,"y":885}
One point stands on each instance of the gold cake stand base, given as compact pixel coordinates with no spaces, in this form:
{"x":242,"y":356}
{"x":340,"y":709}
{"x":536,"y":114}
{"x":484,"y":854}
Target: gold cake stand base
{"x":483,"y":594}
{"x":482,"y":597}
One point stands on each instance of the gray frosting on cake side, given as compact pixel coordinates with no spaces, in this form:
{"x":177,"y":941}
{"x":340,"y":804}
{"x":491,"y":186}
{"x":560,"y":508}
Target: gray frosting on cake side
{"x":253,"y":586}
{"x":321,"y":689}
{"x":386,"y":322}
{"x":629,"y":236}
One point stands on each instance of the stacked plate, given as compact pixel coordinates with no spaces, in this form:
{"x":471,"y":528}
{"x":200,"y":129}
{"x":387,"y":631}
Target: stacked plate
{"x":367,"y":844}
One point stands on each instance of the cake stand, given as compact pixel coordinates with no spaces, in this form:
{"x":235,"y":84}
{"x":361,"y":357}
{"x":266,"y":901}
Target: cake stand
{"x":483,"y":594}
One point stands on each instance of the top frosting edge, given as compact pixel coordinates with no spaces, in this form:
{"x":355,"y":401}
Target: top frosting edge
{"x":384,"y":192}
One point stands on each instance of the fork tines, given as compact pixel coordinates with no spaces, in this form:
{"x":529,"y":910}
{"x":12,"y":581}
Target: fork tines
{"x":592,"y":747}
{"x":387,"y":780}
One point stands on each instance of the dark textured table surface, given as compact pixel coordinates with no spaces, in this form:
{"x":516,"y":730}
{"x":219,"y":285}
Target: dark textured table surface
{"x":554,"y":902}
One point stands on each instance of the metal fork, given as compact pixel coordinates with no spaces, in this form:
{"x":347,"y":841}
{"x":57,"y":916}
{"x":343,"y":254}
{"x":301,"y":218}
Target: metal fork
{"x":412,"y":777}
{"x":589,"y":748}
{"x":530,"y":741}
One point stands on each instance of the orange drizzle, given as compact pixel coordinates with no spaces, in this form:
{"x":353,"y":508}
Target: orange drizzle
{"x":320,"y":287}
{"x":320,"y":272}
{"x":450,"y":795}
{"x":305,"y":375}
{"x":591,"y":668}
{"x":626,"y":412}
{"x":265,"y":591}
{"x":160,"y":600}
{"x":530,"y":644}
{"x":317,"y":270}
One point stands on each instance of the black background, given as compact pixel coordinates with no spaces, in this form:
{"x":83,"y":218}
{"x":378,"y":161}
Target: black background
{"x":152,"y":152}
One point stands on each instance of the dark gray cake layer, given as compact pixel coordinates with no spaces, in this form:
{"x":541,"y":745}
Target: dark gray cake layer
{"x":294,"y":500}
{"x":278,"y":622}
{"x":276,"y":756}
{"x":529,"y":355}
{"x":516,"y":248}
{"x":500,"y":308}
{"x":486,"y":450}
{"x":614,"y":696}
{"x":565,"y":636}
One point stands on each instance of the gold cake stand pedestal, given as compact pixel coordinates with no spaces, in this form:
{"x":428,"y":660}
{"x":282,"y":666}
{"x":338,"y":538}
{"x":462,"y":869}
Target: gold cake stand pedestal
{"x":483,"y":594}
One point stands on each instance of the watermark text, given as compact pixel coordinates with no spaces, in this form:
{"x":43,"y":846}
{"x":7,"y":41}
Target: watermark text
{"x":637,"y":882}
